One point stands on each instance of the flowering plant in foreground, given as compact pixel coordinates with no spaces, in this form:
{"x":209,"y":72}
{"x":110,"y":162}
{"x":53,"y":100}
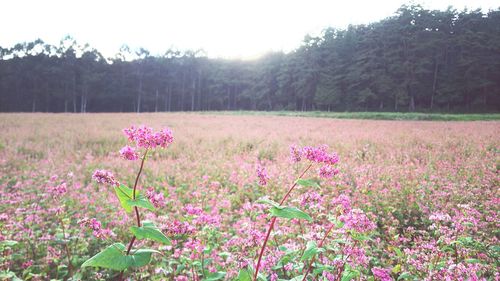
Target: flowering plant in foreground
{"x":314,"y":155}
{"x":118,"y":256}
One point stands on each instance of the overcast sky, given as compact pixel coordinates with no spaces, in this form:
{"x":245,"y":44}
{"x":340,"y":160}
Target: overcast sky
{"x":223,"y":28}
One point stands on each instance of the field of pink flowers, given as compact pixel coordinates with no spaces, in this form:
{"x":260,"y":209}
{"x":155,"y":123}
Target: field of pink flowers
{"x":230,"y":200}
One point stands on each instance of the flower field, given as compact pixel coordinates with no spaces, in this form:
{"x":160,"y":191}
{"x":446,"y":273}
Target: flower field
{"x":234,"y":197}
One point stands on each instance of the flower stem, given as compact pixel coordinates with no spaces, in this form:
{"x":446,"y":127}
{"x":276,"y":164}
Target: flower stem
{"x":273,"y":221}
{"x":138,"y":218}
{"x":319,"y":246}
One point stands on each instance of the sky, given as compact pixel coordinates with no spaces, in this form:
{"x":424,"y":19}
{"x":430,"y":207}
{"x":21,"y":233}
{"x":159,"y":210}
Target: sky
{"x":222,"y":28}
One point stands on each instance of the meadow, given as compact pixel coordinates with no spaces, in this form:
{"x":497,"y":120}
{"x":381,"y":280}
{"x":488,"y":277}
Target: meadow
{"x":407,"y":200}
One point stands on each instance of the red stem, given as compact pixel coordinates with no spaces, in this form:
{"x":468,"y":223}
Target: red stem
{"x":273,"y":221}
{"x":319,"y":246}
{"x":138,"y":218}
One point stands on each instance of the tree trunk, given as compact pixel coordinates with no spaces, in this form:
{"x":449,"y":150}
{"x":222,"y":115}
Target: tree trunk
{"x":139,"y":94}
{"x":193,"y":92}
{"x":434,"y":83}
{"x":156,"y":101}
{"x":74,"y":93}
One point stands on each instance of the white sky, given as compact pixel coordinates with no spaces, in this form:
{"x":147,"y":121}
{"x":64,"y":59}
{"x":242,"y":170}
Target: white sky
{"x":223,"y":28}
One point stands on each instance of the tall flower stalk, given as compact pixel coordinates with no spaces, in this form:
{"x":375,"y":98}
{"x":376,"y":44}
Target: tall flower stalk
{"x":313,"y":155}
{"x":116,"y":256}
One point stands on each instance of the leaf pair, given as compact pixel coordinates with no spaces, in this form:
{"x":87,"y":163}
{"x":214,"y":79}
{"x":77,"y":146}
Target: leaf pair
{"x":126,"y":197}
{"x":115,"y":257}
{"x":284,"y":211}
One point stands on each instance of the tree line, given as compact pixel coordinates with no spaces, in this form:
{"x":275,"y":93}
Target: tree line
{"x":416,"y":60}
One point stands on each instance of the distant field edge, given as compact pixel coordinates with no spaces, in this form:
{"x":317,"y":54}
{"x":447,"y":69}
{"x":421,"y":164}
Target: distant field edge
{"x":410,"y":116}
{"x":371,"y":115}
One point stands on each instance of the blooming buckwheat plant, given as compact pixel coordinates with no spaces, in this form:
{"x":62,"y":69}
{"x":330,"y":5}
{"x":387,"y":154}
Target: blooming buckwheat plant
{"x":117,"y":256}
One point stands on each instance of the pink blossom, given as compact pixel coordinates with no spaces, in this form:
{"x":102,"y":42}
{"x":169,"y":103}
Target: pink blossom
{"x":176,"y":227}
{"x":357,"y":220}
{"x":262,"y":175}
{"x":382,"y":274}
{"x":129,"y":153}
{"x":344,"y":201}
{"x":157,"y":198}
{"x":295,"y":153}
{"x":27,"y":264}
{"x":145,"y":137}
{"x":58,"y":190}
{"x":327,"y":171}
{"x":104,"y":176}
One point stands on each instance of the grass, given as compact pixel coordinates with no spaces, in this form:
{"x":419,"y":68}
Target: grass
{"x":372,"y":115}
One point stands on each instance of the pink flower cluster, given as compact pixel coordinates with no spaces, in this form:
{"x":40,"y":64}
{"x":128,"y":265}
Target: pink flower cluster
{"x":145,"y":137}
{"x":104,"y":176}
{"x":357,"y":220}
{"x":58,"y":190}
{"x":382,"y":274}
{"x":262,"y":175}
{"x":156,"y":198}
{"x":317,"y":155}
{"x":177,"y":228}
{"x":129,"y":153}
{"x":96,"y":228}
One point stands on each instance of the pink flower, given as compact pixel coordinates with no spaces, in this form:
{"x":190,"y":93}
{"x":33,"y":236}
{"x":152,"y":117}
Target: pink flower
{"x":103,"y":176}
{"x":382,"y":274}
{"x":317,"y":155}
{"x":157,"y":198}
{"x":163,"y":138}
{"x":176,"y":227}
{"x":145,"y":137}
{"x":192,"y":210}
{"x":58,"y":190}
{"x":344,"y":201}
{"x":95,"y":225}
{"x":357,"y":220}
{"x":327,"y":171}
{"x":27,"y":264}
{"x":129,"y":153}
{"x":262,"y":175}
{"x":295,"y":153}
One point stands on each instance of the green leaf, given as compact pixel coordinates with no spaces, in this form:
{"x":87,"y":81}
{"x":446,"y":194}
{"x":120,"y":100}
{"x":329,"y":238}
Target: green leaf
{"x":297,"y":278}
{"x":125,"y":196}
{"x":405,"y":275}
{"x":215,"y":276}
{"x":265,"y":200}
{"x":307,"y":183}
{"x":244,"y":275}
{"x":141,"y":201}
{"x":289,"y":213}
{"x":8,"y":243}
{"x":149,"y":231}
{"x":311,"y":251}
{"x":115,"y":257}
{"x":9,"y":275}
{"x":349,"y":274}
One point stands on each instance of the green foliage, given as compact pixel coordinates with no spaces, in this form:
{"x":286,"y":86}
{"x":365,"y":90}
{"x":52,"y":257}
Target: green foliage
{"x":115,"y":257}
{"x":311,"y":250}
{"x":244,"y":275}
{"x":265,"y":200}
{"x":289,"y":213}
{"x":215,"y":276}
{"x":148,"y":230}
{"x":125,"y":196}
{"x":307,"y":183}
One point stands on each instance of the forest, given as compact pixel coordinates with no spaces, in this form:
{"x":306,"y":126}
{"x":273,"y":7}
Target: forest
{"x":417,"y":60}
